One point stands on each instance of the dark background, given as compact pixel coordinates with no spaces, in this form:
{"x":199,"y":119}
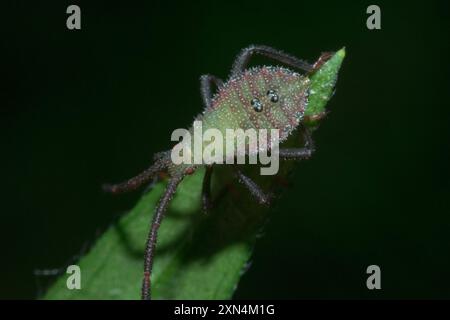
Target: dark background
{"x":79,"y":108}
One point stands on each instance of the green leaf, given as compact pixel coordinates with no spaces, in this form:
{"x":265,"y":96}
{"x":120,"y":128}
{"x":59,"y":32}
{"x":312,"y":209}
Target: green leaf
{"x":322,"y":86}
{"x":198,"y":256}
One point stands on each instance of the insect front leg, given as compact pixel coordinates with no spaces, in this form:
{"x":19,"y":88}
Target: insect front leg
{"x":242,"y":60}
{"x":254,"y":189}
{"x":153,"y":234}
{"x":205,"y":87}
{"x":299,"y":153}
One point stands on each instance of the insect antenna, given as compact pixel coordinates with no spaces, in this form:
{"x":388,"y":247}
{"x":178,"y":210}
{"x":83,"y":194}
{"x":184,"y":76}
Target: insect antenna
{"x":139,"y":180}
{"x":153,"y":234}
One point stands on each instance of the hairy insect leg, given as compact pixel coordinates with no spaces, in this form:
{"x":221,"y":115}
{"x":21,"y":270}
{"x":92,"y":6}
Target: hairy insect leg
{"x":205,"y":87}
{"x":206,"y":190}
{"x":295,"y":153}
{"x":299,"y":153}
{"x":245,"y":55}
{"x":153,"y":234}
{"x":254,"y":189}
{"x":137,"y":181}
{"x":157,"y":178}
{"x":161,"y":155}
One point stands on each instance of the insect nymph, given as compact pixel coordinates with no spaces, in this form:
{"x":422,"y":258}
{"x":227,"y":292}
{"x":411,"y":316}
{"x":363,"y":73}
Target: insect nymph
{"x":264,"y":97}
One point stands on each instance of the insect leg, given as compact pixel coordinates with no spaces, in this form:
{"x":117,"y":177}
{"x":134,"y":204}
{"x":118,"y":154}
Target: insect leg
{"x":206,"y":190}
{"x":245,"y":55}
{"x":137,"y":181}
{"x":299,"y":153}
{"x":161,"y":155}
{"x":205,"y":87}
{"x":254,"y":189}
{"x":153,"y":234}
{"x":295,"y":153}
{"x":152,"y":184}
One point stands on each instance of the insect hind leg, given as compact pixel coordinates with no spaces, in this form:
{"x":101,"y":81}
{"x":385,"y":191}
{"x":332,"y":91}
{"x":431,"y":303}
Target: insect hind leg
{"x":153,"y":234}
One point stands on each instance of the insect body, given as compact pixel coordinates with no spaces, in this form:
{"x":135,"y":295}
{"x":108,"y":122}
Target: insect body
{"x":259,"y":98}
{"x":264,"y":97}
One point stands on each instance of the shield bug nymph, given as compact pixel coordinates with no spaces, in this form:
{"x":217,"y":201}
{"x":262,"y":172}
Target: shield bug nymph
{"x":264,"y":97}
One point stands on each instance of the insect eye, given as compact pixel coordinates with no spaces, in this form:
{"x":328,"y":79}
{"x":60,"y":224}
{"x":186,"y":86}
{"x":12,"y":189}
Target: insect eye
{"x":273,"y":95}
{"x":256,"y":104}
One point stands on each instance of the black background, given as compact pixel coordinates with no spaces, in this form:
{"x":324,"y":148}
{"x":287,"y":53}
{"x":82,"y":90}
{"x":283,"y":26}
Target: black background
{"x":79,"y":108}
